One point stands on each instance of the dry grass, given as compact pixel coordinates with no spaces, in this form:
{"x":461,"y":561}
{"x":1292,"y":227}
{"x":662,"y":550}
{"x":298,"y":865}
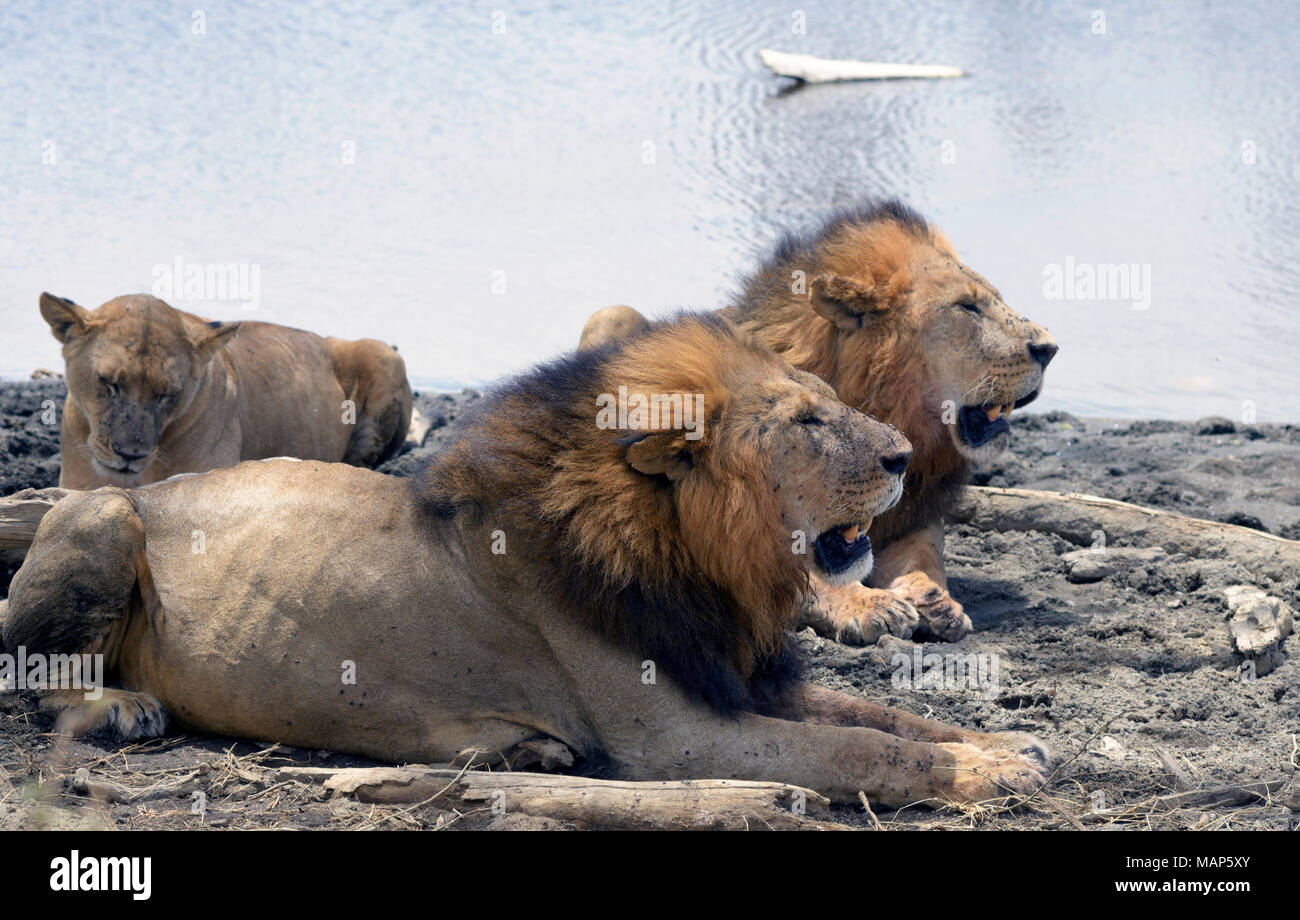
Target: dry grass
{"x":50,"y":781}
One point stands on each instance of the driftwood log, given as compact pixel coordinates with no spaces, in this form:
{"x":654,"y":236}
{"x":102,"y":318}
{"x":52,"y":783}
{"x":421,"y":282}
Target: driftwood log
{"x":1078,"y":518}
{"x":21,"y":513}
{"x":708,"y":804}
{"x":812,"y":69}
{"x":87,"y":784}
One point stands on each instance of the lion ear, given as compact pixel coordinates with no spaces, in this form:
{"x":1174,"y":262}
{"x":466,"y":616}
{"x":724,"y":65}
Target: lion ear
{"x":845,"y":302}
{"x":66,"y":319}
{"x":667,"y":454}
{"x":208,"y":337}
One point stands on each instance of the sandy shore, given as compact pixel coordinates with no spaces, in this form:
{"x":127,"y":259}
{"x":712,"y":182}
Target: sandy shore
{"x":1131,"y":676}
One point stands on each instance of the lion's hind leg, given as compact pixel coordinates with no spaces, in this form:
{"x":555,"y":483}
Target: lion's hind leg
{"x":373,"y":375}
{"x":68,"y":609}
{"x":611,"y":324}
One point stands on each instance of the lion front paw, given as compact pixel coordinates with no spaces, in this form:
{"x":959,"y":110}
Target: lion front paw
{"x":982,"y":775}
{"x":858,"y":615}
{"x":126,"y":714}
{"x":941,"y":617}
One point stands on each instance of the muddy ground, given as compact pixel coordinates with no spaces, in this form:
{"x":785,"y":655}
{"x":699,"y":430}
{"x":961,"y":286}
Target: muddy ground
{"x":1131,"y":677}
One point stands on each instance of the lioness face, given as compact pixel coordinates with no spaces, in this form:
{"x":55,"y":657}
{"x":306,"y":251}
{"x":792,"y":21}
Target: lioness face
{"x":133,"y":365}
{"x":982,"y":357}
{"x":833,"y":468}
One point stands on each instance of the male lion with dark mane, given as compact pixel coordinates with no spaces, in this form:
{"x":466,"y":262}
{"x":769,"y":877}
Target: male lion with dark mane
{"x":516,"y":589}
{"x":877,"y":303}
{"x":154,"y":391}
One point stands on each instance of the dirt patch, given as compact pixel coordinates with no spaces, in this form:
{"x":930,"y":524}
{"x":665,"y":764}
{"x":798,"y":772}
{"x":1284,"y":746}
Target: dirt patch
{"x":1131,"y":676}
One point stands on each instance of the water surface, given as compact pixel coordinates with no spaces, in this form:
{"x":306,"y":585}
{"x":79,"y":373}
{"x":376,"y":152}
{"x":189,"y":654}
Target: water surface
{"x":471,"y":187}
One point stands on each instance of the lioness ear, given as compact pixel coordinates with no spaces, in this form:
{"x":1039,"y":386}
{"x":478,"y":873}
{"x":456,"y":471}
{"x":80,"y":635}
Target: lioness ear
{"x":208,"y":337}
{"x":66,"y":319}
{"x":667,"y":454}
{"x":846,"y":302}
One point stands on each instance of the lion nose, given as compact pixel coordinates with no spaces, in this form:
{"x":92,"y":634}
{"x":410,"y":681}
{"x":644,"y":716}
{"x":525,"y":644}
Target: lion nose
{"x":894,"y":464}
{"x":1043,"y":352}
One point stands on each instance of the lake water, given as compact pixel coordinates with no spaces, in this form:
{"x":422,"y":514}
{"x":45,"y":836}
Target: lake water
{"x":470,"y":184}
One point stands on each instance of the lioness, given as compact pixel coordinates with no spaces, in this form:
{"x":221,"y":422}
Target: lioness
{"x":154,"y":391}
{"x":523,"y":587}
{"x":877,"y":303}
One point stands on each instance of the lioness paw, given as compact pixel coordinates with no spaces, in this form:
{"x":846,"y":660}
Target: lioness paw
{"x":941,"y":617}
{"x":127,"y":715}
{"x":980,"y":775}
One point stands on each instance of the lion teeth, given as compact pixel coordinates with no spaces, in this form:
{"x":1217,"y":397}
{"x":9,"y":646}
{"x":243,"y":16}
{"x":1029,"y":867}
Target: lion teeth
{"x":1006,"y":410}
{"x":850,"y":534}
{"x":993,"y":413}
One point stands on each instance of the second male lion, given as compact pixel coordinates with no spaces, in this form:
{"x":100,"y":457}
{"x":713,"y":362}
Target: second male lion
{"x":876,"y":302}
{"x":154,"y":391}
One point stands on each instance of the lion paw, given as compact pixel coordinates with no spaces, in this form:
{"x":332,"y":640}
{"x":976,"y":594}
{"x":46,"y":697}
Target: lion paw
{"x":858,"y":615}
{"x":126,"y":714}
{"x":1023,"y":743}
{"x":941,"y":617}
{"x":982,"y":775}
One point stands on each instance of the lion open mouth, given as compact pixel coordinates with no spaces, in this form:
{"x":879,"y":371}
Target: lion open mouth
{"x":978,"y":425}
{"x":842,"y":547}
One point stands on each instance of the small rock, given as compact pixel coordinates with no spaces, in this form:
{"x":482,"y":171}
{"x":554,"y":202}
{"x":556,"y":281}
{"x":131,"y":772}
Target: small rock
{"x":888,"y":646}
{"x":1111,"y":748}
{"x":1241,"y":519}
{"x":1258,"y":624}
{"x":1085,"y":566}
{"x":1215,"y":424}
{"x":1139,"y":578}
